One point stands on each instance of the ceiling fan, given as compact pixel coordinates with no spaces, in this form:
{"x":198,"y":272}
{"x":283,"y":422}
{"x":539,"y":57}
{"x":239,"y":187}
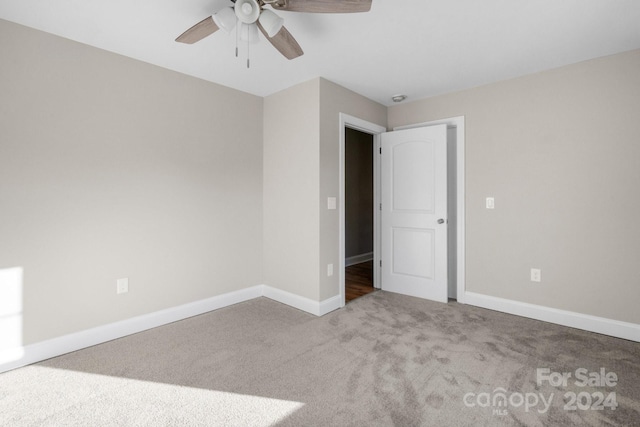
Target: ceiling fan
{"x":252,"y":16}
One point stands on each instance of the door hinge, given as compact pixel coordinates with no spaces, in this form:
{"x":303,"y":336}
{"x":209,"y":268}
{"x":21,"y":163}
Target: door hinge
{"x":380,"y":206}
{"x":380,"y":263}
{"x":380,"y":150}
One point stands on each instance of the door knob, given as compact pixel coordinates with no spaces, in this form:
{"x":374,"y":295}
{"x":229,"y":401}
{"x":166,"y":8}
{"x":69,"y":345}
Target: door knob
{"x":441,"y":221}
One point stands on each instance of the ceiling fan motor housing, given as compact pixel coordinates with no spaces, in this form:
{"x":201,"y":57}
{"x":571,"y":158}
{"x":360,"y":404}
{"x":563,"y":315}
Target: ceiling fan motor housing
{"x":247,"y":11}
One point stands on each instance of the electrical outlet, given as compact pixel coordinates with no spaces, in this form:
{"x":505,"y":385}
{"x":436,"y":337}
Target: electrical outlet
{"x":536,"y":275}
{"x":122,"y":286}
{"x":329,"y":270}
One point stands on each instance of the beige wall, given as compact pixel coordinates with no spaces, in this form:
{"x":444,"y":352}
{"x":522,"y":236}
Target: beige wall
{"x":301,"y":151}
{"x":560,"y":152}
{"x":291,"y":185}
{"x":335,"y":99}
{"x":111,"y":168}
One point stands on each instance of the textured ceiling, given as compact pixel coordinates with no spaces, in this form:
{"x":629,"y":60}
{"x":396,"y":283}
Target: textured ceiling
{"x":419,"y":48}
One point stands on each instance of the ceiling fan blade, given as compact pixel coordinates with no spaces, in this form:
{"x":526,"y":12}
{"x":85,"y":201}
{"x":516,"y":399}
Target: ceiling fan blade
{"x":284,"y":42}
{"x":323,"y":6}
{"x":202,"y":29}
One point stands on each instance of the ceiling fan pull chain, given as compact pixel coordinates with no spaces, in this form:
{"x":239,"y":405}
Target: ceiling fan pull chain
{"x":237,"y":25}
{"x":248,"y":53}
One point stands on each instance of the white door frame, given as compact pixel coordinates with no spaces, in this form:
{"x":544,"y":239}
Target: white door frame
{"x":375,"y":130}
{"x":458,"y":124}
{"x":347,"y":121}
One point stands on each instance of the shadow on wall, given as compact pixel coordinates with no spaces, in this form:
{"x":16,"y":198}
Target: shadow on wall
{"x":11,"y":314}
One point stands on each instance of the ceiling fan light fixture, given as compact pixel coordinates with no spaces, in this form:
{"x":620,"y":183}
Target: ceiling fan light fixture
{"x":271,"y":22}
{"x":247,"y":11}
{"x":225,"y":18}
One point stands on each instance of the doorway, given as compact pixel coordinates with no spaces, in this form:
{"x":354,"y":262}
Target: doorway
{"x":374,"y":131}
{"x":359,"y":217}
{"x":456,"y":151}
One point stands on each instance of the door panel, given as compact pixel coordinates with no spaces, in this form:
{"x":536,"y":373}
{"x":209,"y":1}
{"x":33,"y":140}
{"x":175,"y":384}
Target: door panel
{"x":414,"y":198}
{"x":409,"y":245}
{"x":412,"y":182}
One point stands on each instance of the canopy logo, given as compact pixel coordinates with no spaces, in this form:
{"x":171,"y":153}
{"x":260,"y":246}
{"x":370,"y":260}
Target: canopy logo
{"x":500,"y":401}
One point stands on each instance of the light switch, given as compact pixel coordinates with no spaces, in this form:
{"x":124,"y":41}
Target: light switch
{"x":491,"y":203}
{"x":331,"y":203}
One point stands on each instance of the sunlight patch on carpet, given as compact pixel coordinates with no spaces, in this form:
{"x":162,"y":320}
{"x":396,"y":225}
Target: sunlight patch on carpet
{"x":71,"y":397}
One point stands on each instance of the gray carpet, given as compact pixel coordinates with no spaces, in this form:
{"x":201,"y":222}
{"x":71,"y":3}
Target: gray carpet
{"x":383,"y":360}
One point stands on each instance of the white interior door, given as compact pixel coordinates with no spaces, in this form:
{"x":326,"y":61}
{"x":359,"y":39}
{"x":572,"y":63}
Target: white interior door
{"x":414,"y":212}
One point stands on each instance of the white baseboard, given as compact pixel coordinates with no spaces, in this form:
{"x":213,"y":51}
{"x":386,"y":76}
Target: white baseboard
{"x":17,"y":357}
{"x":329,"y":305}
{"x":37,"y":352}
{"x":318,"y":308}
{"x":357,"y":259}
{"x":601,"y":325}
